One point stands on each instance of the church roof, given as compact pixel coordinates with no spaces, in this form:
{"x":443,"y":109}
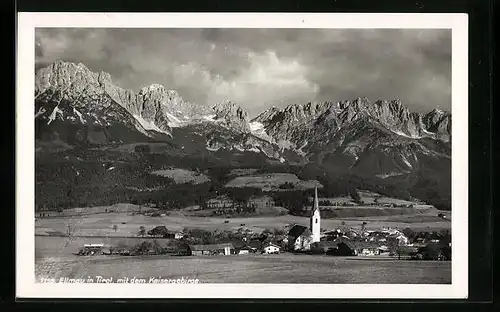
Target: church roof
{"x":298,"y":230}
{"x":358,"y":244}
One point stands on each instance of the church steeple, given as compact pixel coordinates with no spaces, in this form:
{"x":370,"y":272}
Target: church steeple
{"x":315,"y":218}
{"x":316,"y":202}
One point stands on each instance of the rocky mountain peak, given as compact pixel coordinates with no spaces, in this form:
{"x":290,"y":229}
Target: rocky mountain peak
{"x":360,"y":103}
{"x":268,"y":114}
{"x":231,"y":114}
{"x":153,"y":88}
{"x":66,"y":75}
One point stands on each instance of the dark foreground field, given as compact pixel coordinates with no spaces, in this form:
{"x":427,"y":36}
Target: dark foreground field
{"x":283,"y":268}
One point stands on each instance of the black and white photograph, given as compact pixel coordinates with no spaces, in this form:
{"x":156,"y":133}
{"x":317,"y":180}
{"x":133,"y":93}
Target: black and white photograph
{"x":207,"y":154}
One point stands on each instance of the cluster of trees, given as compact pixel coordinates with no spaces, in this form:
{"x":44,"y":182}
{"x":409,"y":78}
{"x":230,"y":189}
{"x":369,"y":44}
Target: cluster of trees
{"x":241,"y":194}
{"x":444,"y":236}
{"x":180,"y":248}
{"x":294,"y":201}
{"x":205,"y":237}
{"x":430,"y":186}
{"x":287,"y":186}
{"x":91,"y":181}
{"x":104,"y":180}
{"x":433,"y":252}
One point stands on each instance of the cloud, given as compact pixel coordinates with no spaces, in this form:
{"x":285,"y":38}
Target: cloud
{"x":263,"y":67}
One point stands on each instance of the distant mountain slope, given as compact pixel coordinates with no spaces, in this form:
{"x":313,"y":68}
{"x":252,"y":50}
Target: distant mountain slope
{"x":382,"y":138}
{"x":79,"y":106}
{"x":75,"y":107}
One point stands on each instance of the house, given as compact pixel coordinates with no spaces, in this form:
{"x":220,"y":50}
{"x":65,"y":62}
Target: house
{"x":299,"y":238}
{"x":255,"y":244}
{"x":337,"y":248}
{"x":223,"y":204}
{"x":363,"y":248}
{"x":237,"y":243}
{"x":94,"y":249}
{"x":178,"y":235}
{"x":346,"y":247}
{"x":324,"y":247}
{"x":244,"y":250}
{"x":161,"y":231}
{"x":384,"y":250}
{"x":213,"y":249}
{"x":332,"y":235}
{"x":261,"y":201}
{"x":271,"y":248}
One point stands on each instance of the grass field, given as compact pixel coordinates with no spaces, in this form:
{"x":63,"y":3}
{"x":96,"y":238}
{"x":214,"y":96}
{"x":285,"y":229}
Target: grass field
{"x":272,"y":181}
{"x":182,"y":175}
{"x":55,"y":261}
{"x":128,"y":224}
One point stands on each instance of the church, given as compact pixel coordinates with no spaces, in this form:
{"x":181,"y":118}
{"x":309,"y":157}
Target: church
{"x":301,"y":237}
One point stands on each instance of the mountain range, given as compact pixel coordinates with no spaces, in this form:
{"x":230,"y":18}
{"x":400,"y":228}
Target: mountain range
{"x":77,"y":107}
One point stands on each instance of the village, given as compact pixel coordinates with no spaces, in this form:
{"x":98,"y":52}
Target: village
{"x":344,"y":241}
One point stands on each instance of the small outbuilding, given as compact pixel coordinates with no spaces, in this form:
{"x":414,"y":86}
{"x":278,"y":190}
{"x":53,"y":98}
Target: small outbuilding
{"x":213,"y":249}
{"x":271,"y":248}
{"x":245,"y":250}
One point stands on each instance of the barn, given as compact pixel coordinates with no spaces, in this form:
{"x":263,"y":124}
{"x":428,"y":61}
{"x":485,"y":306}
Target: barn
{"x":213,"y":249}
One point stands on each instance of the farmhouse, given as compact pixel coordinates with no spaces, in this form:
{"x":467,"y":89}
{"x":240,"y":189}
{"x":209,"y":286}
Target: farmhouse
{"x":299,"y":238}
{"x":261,"y":201}
{"x":348,"y":247}
{"x":255,"y":244}
{"x":161,"y":231}
{"x":364,"y":248}
{"x":244,"y":250}
{"x":214,"y":249}
{"x":94,"y":249}
{"x":340,"y":249}
{"x":220,"y":202}
{"x":225,"y":205}
{"x":271,"y":248}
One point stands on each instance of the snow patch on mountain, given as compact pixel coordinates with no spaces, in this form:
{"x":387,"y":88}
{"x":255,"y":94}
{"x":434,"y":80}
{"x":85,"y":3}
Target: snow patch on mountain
{"x":147,"y":125}
{"x":54,"y":113}
{"x":412,"y":136}
{"x":256,"y":126}
{"x":213,"y":149}
{"x":257,"y":129}
{"x":254,"y":149}
{"x":209,"y":118}
{"x":79,"y":115}
{"x":175,"y":122}
{"x":406,"y":161}
{"x":239,"y":148}
{"x":300,"y":151}
{"x":40,"y":112}
{"x":388,"y":175}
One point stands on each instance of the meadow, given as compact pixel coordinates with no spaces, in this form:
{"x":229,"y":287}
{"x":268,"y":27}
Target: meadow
{"x":128,"y":224}
{"x":271,"y":181}
{"x":182,"y":175}
{"x":53,"y":260}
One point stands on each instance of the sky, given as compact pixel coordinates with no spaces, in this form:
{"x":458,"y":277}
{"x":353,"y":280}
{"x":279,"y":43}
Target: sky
{"x":260,"y":68}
